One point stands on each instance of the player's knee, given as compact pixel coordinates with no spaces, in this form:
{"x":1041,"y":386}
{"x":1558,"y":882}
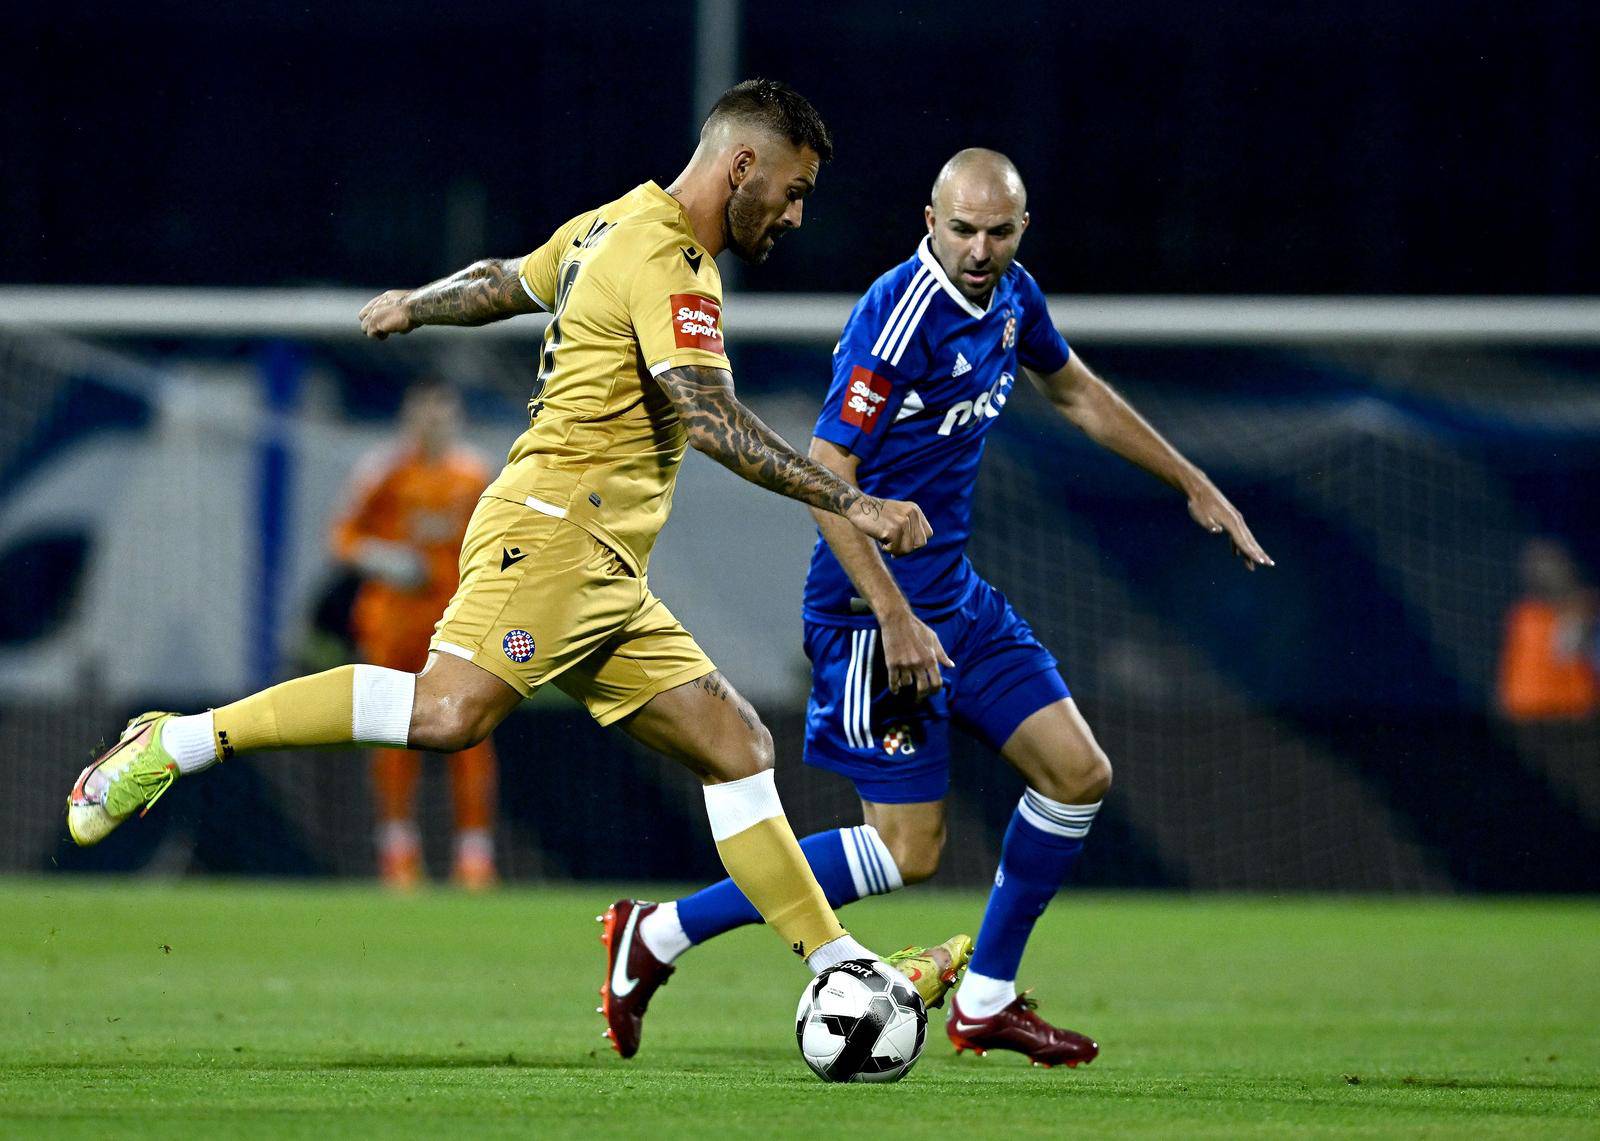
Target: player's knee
{"x":752,"y":753}
{"x":919,"y":863}
{"x":757,"y":751}
{"x":1096,"y":779}
{"x":447,"y":726}
{"x":1083,"y":779}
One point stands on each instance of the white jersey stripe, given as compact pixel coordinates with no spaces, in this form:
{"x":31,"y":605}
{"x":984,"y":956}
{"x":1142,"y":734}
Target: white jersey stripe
{"x":919,"y":280}
{"x":858,"y":866}
{"x":899,"y":307}
{"x":846,"y":706}
{"x":911,"y":326}
{"x":864,"y":701}
{"x":908,"y":319}
{"x":844,"y":696}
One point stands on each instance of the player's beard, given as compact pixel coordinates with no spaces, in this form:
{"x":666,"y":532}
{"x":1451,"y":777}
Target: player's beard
{"x":745,"y":219}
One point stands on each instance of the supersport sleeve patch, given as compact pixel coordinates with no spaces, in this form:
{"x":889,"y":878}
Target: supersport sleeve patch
{"x":696,"y":323}
{"x":865,"y":396}
{"x":675,"y":305}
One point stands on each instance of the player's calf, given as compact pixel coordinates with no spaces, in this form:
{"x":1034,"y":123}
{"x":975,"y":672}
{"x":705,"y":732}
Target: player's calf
{"x":914,"y":834}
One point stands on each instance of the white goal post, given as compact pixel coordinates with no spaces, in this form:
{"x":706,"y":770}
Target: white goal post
{"x":319,"y":314}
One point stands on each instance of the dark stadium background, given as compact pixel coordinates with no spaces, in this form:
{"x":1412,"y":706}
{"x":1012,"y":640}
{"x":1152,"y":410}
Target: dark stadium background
{"x":1228,"y":147}
{"x":1231,"y":148}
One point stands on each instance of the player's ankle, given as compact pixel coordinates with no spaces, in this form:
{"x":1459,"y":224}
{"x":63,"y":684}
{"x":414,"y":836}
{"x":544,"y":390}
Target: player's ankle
{"x":398,"y":837}
{"x":662,"y":933}
{"x":983,"y":997}
{"x":833,"y":953}
{"x":191,"y":742}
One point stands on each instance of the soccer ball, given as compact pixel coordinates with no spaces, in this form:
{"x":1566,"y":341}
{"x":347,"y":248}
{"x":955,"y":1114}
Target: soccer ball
{"x":860,"y":1021}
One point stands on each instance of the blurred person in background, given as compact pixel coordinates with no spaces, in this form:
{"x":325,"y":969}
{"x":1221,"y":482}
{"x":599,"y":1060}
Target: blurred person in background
{"x":1547,"y":661}
{"x":406,"y":512}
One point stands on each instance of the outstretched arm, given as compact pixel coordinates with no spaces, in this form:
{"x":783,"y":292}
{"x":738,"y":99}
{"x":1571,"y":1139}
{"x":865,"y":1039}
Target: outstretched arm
{"x":1107,"y":419}
{"x":486,"y":291}
{"x":724,"y":429}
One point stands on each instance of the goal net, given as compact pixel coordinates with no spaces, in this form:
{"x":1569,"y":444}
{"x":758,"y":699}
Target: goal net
{"x":172,"y":463}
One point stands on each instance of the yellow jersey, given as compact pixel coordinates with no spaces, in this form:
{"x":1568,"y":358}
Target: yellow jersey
{"x":631,"y":294}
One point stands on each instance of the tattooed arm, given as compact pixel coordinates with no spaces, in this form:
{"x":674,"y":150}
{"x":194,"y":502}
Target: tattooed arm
{"x":488,"y":290}
{"x":724,"y":429}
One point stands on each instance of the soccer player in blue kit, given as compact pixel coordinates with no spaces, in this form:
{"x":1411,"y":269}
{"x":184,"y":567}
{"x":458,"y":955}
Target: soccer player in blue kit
{"x":902,"y":649}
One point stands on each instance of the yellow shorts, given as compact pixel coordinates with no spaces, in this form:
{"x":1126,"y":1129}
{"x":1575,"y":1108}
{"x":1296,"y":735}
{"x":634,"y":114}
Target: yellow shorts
{"x":542,"y":600}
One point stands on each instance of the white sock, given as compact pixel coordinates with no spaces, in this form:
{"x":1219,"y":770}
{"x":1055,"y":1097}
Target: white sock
{"x":1070,"y":820}
{"x":398,"y":835}
{"x":736,"y":805}
{"x":475,"y":844}
{"x":871,"y":866}
{"x":380,"y":706}
{"x":836,"y":952}
{"x":981,"y":997}
{"x":191,"y":741}
{"x":662,"y":933}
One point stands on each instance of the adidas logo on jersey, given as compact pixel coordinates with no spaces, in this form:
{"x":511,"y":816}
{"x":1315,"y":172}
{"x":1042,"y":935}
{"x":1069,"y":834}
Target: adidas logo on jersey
{"x":962,"y":366}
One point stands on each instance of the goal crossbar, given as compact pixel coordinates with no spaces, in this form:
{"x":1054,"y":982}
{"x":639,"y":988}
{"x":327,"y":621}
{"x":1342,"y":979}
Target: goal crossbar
{"x":320,"y":314}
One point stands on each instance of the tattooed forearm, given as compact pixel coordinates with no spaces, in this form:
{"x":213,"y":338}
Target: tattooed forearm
{"x":735,"y":437}
{"x":489,"y":290}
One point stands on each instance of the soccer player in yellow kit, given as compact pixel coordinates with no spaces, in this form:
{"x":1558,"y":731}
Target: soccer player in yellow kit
{"x":553,"y":589}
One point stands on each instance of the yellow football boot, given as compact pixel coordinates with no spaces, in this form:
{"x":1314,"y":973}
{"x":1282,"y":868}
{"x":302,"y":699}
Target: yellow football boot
{"x":934,"y":970}
{"x":128,"y":777}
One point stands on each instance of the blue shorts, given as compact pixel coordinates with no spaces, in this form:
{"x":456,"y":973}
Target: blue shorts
{"x":897,"y":749}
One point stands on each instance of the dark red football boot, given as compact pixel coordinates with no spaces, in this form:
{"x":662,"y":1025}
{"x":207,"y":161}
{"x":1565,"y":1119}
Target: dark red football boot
{"x":1018,"y":1028}
{"x":633,"y":974}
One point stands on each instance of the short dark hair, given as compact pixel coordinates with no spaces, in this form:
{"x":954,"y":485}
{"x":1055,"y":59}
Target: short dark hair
{"x":779,"y":108}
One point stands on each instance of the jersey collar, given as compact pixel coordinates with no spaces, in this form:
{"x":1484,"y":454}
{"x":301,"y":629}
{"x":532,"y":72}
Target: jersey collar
{"x":925,"y":254}
{"x":654,"y":190}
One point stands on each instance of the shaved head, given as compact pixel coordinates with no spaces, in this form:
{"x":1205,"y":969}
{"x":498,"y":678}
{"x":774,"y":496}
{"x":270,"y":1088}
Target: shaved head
{"x":976,"y":216}
{"x":979,"y":173}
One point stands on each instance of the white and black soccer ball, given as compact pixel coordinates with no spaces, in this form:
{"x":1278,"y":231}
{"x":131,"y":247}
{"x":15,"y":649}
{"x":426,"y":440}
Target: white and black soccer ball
{"x":860,"y":1021}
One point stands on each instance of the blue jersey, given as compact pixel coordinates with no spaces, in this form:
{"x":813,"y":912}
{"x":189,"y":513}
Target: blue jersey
{"x":919,"y":377}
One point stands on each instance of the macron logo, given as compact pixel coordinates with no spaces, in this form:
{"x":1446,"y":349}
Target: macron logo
{"x":962,"y":366}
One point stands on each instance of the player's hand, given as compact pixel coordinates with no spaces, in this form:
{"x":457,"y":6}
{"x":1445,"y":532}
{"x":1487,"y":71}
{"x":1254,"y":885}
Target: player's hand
{"x":913,"y":653}
{"x":1212,"y":511}
{"x":899,"y":527}
{"x":387,"y":313}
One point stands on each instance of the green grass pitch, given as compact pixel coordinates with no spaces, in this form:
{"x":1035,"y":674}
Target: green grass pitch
{"x":137,"y":1008}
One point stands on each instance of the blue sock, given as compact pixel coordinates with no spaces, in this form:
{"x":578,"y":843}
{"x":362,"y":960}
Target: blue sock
{"x":848,"y":862}
{"x":1042,"y":843}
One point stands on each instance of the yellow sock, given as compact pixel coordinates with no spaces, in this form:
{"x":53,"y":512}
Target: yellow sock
{"x":365,"y":704}
{"x":764,"y":859}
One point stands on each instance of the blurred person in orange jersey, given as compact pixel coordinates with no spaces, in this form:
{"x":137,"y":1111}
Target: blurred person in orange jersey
{"x":1547,"y":662}
{"x":407,"y":512}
